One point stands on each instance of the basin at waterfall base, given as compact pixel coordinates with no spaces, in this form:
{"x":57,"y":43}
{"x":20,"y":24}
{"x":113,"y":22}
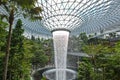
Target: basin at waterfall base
{"x":51,"y":74}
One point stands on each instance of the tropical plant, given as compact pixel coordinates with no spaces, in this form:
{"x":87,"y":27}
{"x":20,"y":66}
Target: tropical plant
{"x":85,"y":71}
{"x":3,"y":34}
{"x":14,"y":6}
{"x":16,"y":61}
{"x":104,"y":59}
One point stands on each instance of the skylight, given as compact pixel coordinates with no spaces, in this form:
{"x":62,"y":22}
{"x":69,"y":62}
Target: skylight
{"x":71,"y":14}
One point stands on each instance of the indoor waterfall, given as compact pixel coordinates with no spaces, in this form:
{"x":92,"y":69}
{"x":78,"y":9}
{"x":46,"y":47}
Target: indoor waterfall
{"x":60,"y":39}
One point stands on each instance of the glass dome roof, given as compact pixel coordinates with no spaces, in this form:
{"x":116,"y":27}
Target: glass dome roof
{"x":71,"y":14}
{"x":90,"y":16}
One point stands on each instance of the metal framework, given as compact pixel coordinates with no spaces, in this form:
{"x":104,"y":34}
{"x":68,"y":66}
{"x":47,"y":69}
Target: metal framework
{"x":77,"y":16}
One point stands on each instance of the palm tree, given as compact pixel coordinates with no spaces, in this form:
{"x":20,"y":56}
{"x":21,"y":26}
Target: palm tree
{"x":12,"y":7}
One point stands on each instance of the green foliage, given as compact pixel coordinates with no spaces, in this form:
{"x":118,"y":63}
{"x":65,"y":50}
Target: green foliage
{"x":26,"y":54}
{"x":85,"y":71}
{"x":44,"y":78}
{"x":92,"y":49}
{"x":42,"y":50}
{"x":84,"y":38}
{"x":25,"y":3}
{"x":1,"y":63}
{"x":17,"y":65}
{"x":39,"y":59}
{"x":19,"y":51}
{"x":3,"y":32}
{"x":16,"y":6}
{"x":104,"y":59}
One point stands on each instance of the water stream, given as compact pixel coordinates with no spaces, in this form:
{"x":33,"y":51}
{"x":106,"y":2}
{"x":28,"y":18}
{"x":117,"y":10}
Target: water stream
{"x":60,"y":39}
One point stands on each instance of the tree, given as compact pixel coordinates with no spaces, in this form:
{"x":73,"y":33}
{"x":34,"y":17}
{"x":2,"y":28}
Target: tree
{"x":85,"y":71}
{"x":84,"y":38}
{"x":17,"y":53}
{"x":115,"y":63}
{"x":39,"y":59}
{"x":13,"y":6}
{"x":3,"y":34}
{"x":41,"y":50}
{"x":105,"y":59}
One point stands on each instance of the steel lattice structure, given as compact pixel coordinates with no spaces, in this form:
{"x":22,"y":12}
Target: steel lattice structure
{"x":77,"y":16}
{"x":70,"y":14}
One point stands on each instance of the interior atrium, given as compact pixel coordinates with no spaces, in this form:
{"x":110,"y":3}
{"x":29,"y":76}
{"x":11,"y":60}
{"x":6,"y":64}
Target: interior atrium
{"x":59,"y":39}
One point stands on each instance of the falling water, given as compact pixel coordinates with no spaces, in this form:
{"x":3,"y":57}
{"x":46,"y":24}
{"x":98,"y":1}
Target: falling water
{"x":60,"y":39}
